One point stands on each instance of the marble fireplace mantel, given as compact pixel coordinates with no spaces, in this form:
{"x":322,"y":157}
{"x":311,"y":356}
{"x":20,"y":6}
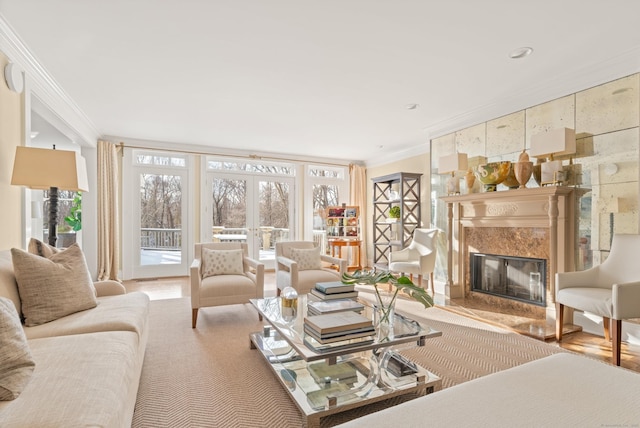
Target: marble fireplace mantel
{"x":542,"y":221}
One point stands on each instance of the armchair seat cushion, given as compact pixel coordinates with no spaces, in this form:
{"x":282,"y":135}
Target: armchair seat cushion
{"x":597,"y":301}
{"x":407,"y":267}
{"x":227,"y":285}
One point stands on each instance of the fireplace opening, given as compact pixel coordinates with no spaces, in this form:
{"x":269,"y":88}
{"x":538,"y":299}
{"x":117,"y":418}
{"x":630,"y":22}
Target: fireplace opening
{"x":517,"y":278}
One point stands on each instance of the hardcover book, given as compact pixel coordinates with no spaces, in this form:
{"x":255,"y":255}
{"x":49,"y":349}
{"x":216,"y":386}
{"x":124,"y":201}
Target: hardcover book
{"x":338,"y":337}
{"x":337,"y":322}
{"x":322,"y":296}
{"x":334,"y":287}
{"x":330,"y":306}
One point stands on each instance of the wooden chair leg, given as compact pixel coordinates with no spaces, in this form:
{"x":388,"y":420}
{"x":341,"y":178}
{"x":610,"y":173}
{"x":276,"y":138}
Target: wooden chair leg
{"x":420,"y":281}
{"x":278,"y":291}
{"x":259,"y":317}
{"x":194,"y":317}
{"x":617,"y":341}
{"x":559,"y":320}
{"x":606,"y":323}
{"x":433,"y":290}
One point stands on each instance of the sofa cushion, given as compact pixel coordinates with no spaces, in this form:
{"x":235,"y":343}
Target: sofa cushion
{"x":221,"y":262}
{"x":126,"y":312}
{"x":307,"y":259}
{"x":16,"y":362}
{"x":82,"y":380}
{"x":53,"y":287}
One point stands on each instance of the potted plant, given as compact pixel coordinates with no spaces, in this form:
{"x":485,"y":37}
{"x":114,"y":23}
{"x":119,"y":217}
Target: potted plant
{"x":387,"y":286}
{"x":394,"y":212}
{"x":74,"y":219}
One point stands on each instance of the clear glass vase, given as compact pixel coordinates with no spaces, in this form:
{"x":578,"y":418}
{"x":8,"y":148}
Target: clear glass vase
{"x":384,"y":315}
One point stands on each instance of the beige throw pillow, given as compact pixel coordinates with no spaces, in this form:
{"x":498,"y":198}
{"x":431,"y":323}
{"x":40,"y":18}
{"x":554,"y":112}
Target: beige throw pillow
{"x":16,"y":362}
{"x":222,"y":262}
{"x":53,"y":287}
{"x":307,"y":259}
{"x":40,"y":248}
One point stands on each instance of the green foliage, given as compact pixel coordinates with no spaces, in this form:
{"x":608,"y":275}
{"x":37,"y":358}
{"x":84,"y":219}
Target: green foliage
{"x":74,"y":219}
{"x":394,"y":212}
{"x":402,"y":283}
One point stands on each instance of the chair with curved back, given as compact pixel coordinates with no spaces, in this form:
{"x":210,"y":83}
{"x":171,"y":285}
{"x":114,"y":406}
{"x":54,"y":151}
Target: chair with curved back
{"x":300,"y":264}
{"x":419,"y":258}
{"x":222,"y":273}
{"x":610,"y":290}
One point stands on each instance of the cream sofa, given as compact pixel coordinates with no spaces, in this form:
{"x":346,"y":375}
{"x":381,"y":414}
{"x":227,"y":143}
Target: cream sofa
{"x":87,"y":364}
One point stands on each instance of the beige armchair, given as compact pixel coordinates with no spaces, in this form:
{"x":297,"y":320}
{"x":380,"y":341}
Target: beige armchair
{"x":223,"y":274}
{"x":419,"y":258}
{"x":300,"y":264}
{"x":610,"y":290}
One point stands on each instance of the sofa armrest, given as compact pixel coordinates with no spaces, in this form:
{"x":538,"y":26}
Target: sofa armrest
{"x":583,"y":278}
{"x":109,"y":288}
{"x":399,"y":256}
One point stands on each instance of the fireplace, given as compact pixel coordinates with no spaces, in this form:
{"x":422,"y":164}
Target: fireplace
{"x":517,"y":278}
{"x":534,"y":224}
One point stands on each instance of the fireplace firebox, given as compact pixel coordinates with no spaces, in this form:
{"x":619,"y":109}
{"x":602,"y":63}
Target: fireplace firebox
{"x":518,"y":278}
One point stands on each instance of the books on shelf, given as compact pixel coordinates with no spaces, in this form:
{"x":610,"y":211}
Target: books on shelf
{"x":337,"y":322}
{"x":334,"y":287}
{"x":331,"y":306}
{"x":322,"y":296}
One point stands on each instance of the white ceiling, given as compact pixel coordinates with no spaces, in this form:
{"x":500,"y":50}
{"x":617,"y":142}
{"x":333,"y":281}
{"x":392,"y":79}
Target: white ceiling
{"x":327,"y":78}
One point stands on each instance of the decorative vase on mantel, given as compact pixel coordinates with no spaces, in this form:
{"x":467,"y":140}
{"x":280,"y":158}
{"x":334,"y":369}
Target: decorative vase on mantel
{"x":523,"y":169}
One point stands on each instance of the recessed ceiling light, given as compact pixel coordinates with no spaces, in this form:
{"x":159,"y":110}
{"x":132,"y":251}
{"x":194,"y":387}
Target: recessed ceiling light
{"x":520,"y":52}
{"x":412,"y":106}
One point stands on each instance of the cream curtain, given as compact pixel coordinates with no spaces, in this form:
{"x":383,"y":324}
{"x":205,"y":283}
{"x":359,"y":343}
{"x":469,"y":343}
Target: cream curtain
{"x":108,"y":212}
{"x":358,"y":192}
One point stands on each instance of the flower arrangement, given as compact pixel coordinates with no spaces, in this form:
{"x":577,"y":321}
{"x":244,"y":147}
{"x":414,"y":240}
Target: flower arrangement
{"x":390,"y":285}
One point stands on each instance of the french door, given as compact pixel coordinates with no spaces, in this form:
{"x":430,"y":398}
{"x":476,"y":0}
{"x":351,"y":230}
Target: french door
{"x":156,"y":235}
{"x":256,"y":209}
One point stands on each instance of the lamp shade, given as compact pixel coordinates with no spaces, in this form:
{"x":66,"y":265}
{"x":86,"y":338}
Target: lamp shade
{"x":561,"y":141}
{"x":45,"y":168}
{"x":452,"y":163}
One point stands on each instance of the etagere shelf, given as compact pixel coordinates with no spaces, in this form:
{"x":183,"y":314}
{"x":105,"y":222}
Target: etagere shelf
{"x":401,"y":189}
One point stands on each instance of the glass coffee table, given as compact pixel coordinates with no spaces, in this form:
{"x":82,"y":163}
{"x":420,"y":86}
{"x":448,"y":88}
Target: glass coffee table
{"x":328,"y":379}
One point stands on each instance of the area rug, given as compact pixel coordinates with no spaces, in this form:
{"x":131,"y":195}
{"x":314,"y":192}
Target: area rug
{"x":209,"y":376}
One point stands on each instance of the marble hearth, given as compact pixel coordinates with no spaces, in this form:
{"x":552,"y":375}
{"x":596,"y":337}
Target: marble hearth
{"x":532,"y":223}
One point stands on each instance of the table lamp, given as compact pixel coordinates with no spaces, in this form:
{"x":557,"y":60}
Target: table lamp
{"x":552,"y":143}
{"x":451,"y":164}
{"x":51,"y":169}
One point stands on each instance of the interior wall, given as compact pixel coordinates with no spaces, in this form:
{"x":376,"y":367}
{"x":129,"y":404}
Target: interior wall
{"x":417,"y":164}
{"x":605,"y":169}
{"x":11,"y":136}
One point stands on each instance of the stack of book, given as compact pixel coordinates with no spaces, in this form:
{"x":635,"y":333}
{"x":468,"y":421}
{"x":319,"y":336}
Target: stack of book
{"x":322,"y":307}
{"x":333,"y":291}
{"x":338,"y":327}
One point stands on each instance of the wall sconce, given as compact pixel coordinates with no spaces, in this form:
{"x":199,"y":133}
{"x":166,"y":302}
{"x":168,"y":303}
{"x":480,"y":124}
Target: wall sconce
{"x":613,"y":207}
{"x":552,"y":143}
{"x":452,"y":164}
{"x":55,"y":170}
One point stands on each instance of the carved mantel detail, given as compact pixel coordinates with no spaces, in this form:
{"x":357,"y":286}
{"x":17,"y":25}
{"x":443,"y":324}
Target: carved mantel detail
{"x":542,"y":221}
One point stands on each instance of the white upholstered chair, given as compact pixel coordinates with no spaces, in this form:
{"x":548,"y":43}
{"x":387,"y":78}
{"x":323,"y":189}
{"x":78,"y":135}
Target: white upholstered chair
{"x":223,"y":274}
{"x":610,"y":290}
{"x":419,"y":258}
{"x":300,"y":264}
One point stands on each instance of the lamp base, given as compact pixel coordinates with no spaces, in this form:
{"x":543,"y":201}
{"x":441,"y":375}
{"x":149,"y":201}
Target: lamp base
{"x":453,"y":185}
{"x":53,"y":216}
{"x":552,"y":173}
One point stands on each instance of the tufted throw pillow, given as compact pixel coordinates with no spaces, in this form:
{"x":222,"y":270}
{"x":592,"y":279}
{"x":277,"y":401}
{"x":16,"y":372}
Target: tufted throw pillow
{"x":16,"y":363}
{"x":307,"y":258}
{"x":42,"y":249}
{"x":222,"y":262}
{"x":53,"y":287}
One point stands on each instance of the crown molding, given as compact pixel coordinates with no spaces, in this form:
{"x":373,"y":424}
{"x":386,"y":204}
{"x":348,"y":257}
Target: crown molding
{"x":562,"y":85}
{"x":63,"y":113}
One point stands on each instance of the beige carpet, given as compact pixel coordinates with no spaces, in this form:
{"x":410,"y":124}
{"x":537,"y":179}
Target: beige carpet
{"x":209,"y":377}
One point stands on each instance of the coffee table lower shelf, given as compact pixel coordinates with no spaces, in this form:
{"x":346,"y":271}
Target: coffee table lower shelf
{"x":327,"y":387}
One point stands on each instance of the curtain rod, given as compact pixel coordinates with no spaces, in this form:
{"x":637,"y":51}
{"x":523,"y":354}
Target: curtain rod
{"x":194,"y":152}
